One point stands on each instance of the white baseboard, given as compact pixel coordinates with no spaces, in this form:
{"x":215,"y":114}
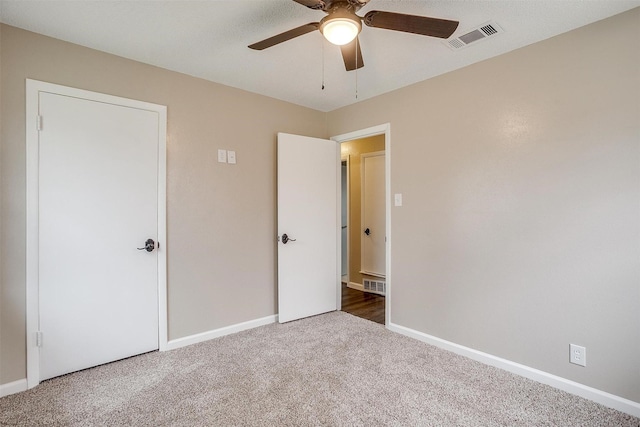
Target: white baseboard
{"x":607,"y":399}
{"x":354,"y":285}
{"x":13,"y":387}
{"x":368,"y":273}
{"x":216,"y":333}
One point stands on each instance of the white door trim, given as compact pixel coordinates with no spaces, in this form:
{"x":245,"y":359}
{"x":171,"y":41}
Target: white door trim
{"x":33,"y":88}
{"x":384,"y":129}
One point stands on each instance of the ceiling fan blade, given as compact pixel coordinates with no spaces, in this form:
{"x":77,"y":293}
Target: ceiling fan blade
{"x":352,"y":55}
{"x":283,"y":37}
{"x":312,"y":4}
{"x":423,"y":25}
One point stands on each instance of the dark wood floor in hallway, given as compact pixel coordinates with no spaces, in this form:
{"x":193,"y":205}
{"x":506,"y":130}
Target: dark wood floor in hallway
{"x":363,"y":304}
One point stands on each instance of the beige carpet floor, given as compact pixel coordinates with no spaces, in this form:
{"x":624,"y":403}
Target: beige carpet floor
{"x":333,"y":370}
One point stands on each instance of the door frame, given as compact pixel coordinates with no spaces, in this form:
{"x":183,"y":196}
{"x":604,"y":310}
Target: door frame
{"x":384,"y":129}
{"x":33,"y":89}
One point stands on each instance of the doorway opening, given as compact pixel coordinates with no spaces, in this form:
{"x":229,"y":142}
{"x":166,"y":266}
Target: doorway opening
{"x":364,"y":225}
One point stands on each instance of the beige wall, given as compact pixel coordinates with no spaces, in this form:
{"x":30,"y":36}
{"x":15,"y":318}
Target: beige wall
{"x":353,"y":150}
{"x":520,"y":230}
{"x":221,"y":218}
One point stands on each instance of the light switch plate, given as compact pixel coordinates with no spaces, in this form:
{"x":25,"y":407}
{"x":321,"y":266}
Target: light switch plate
{"x":397,"y":198}
{"x":231,"y":157}
{"x":222,"y":156}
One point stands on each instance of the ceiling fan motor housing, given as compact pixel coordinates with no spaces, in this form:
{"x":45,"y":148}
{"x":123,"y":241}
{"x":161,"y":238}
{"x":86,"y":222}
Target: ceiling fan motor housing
{"x":327,"y":5}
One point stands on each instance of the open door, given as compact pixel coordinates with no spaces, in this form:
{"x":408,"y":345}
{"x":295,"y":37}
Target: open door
{"x":308,"y":231}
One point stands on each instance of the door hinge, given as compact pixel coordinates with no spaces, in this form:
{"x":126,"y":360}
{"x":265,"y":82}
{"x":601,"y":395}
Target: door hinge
{"x":38,"y":122}
{"x":39,"y":339}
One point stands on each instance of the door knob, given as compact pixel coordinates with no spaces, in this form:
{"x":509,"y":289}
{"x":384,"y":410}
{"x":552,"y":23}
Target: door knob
{"x":149,"y":246}
{"x":367,"y":231}
{"x":286,"y":239}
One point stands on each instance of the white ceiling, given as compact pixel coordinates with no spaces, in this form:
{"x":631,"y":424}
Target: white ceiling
{"x":208,"y":39}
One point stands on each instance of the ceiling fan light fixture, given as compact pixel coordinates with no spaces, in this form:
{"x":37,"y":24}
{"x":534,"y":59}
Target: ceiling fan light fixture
{"x":340,"y":31}
{"x":340,"y":28}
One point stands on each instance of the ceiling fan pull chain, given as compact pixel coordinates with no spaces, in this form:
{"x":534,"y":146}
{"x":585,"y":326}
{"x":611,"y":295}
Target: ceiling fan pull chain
{"x":322,"y":41}
{"x":357,"y":46}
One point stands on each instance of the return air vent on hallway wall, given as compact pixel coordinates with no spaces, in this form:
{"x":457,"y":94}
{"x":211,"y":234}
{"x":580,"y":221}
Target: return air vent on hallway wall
{"x":482,"y":32}
{"x":376,"y":286}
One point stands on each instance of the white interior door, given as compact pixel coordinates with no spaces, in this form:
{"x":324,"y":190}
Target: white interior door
{"x":308,"y":213}
{"x":373,"y":215}
{"x":98,"y":203}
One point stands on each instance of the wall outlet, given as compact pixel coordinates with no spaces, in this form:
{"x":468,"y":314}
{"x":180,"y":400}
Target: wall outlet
{"x":577,"y":355}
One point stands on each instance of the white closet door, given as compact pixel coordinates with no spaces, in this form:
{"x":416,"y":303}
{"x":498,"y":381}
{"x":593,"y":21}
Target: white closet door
{"x":98,"y":203}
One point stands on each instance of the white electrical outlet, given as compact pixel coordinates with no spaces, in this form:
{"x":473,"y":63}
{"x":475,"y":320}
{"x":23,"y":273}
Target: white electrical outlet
{"x":578,"y":355}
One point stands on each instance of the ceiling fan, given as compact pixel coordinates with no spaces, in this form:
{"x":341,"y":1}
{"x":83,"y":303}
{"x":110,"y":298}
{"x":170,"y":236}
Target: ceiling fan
{"x":341,"y":27}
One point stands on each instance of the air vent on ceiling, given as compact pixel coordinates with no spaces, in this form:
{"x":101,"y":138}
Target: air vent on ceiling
{"x":482,"y":32}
